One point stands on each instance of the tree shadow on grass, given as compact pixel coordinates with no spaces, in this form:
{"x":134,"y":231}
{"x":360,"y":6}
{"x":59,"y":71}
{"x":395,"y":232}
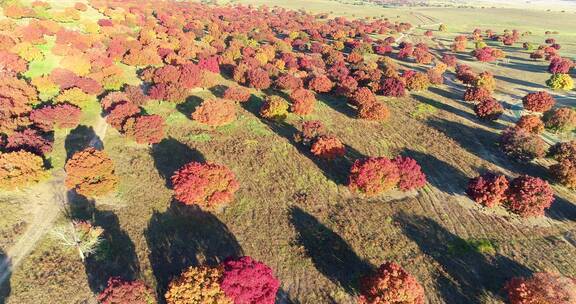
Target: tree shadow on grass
{"x":471,"y":273}
{"x":331,"y":254}
{"x":185,"y":236}
{"x":484,"y":144}
{"x":336,"y":170}
{"x":562,"y":210}
{"x":116,"y":255}
{"x":218,"y":90}
{"x":520,"y":82}
{"x":338,"y":104}
{"x":170,"y":154}
{"x":440,"y":174}
{"x":81,"y":138}
{"x":189,"y":106}
{"x":5,"y":274}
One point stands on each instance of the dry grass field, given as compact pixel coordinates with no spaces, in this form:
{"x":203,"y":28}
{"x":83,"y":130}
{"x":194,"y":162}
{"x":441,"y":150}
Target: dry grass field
{"x":295,"y":212}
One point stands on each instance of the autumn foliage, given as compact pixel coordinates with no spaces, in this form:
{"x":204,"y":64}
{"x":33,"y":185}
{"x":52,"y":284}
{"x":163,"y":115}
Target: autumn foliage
{"x":328,"y":147}
{"x":274,"y":108}
{"x":237,"y":93}
{"x":488,"y":109}
{"x":62,"y":116}
{"x":197,"y":285}
{"x":204,"y":184}
{"x":538,"y":102}
{"x":127,"y":292}
{"x":530,"y":123}
{"x":145,"y":129}
{"x":90,"y":172}
{"x":391,"y":284}
{"x":215,"y":112}
{"x":560,"y":120}
{"x":488,"y":190}
{"x":303,"y":101}
{"x":245,"y":280}
{"x":411,"y":175}
{"x":529,"y":196}
{"x":541,"y":287}
{"x":20,"y":169}
{"x":522,"y":145}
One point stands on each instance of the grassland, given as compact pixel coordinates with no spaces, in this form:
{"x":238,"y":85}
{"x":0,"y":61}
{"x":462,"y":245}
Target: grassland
{"x":296,"y":214}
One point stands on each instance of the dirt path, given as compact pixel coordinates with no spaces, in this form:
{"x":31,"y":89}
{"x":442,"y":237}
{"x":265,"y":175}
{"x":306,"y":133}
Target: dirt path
{"x":46,"y":200}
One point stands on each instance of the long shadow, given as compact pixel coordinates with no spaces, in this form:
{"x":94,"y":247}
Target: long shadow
{"x":456,"y":111}
{"x":170,"y":154}
{"x":483,"y":144}
{"x":116,"y":255}
{"x":185,"y":236}
{"x":562,"y":210}
{"x":440,"y":174}
{"x":282,"y":297}
{"x":520,"y":82}
{"x":525,"y":67}
{"x":81,"y":138}
{"x":472,"y":273}
{"x":331,"y":254}
{"x":5,"y":274}
{"x":189,"y":106}
{"x":335,"y":170}
{"x":338,"y":104}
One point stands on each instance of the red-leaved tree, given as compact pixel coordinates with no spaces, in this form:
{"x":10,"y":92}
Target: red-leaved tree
{"x":538,"y":102}
{"x":391,"y":284}
{"x":246,"y":280}
{"x":488,"y":189}
{"x":126,"y":292}
{"x":411,"y":175}
{"x":529,"y":196}
{"x":373,"y":175}
{"x":542,"y":287}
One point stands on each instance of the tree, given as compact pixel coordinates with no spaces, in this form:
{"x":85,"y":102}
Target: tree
{"x":274,"y":108}
{"x":215,"y":112}
{"x":145,"y":129}
{"x":391,"y":284}
{"x":538,"y":101}
{"x":477,"y":94}
{"x":310,"y":131}
{"x":563,"y":150}
{"x":449,"y":60}
{"x":376,"y":111}
{"x":74,"y":96}
{"x":303,"y":101}
{"x":258,"y":79}
{"x":62,"y":116}
{"x":443,"y":28}
{"x":541,"y":287}
{"x":373,"y":175}
{"x":564,"y":172}
{"x":522,"y":145}
{"x":204,"y":184}
{"x":82,"y":236}
{"x":411,"y":175}
{"x":488,"y":109}
{"x":90,"y":172}
{"x":320,"y":84}
{"x":246,"y":280}
{"x":393,"y":87}
{"x":197,"y":285}
{"x":417,"y":82}
{"x":120,"y":113}
{"x":127,"y":292}
{"x":485,"y":80}
{"x":529,"y":196}
{"x":362,"y":96}
{"x":29,"y":140}
{"x":12,"y":63}
{"x":328,"y":147}
{"x":488,"y":189}
{"x":531,"y":124}
{"x":288,"y":82}
{"x":559,"y":65}
{"x":20,"y":169}
{"x":237,"y":93}
{"x":560,"y":120}
{"x":560,"y":82}
{"x":136,"y":95}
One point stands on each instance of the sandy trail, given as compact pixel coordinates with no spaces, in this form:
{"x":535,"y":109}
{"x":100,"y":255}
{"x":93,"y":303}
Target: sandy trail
{"x":47,"y":200}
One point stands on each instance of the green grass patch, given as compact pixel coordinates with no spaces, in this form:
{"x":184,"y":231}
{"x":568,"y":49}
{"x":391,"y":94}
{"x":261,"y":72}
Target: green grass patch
{"x":462,"y":246}
{"x":423,"y":111}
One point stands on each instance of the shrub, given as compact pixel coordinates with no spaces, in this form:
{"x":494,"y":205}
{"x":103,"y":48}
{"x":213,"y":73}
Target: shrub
{"x":477,"y":94}
{"x":529,"y":196}
{"x":328,"y":147}
{"x":450,"y":60}
{"x":90,"y":172}
{"x":391,"y":284}
{"x":541,"y":287}
{"x":20,"y":169}
{"x":237,"y":93}
{"x":564,"y":172}
{"x":538,"y":102}
{"x":204,"y":184}
{"x":485,"y":80}
{"x":29,"y":140}
{"x":559,"y":65}
{"x":197,"y":285}
{"x":417,"y":82}
{"x":376,"y":111}
{"x":560,"y":82}
{"x":320,"y":84}
{"x":303,"y":101}
{"x":120,"y":112}
{"x":484,"y":54}
{"x":136,"y":95}
{"x":561,"y":120}
{"x":63,"y":116}
{"x":362,"y":96}
{"x":215,"y":112}
{"x":74,"y":96}
{"x":120,"y":291}
{"x":145,"y":129}
{"x":373,"y":175}
{"x":288,"y":82}
{"x":274,"y":108}
{"x":346,"y":85}
{"x":531,"y":124}
{"x":311,"y":130}
{"x":246,"y":280}
{"x":488,"y":109}
{"x":488,"y":190}
{"x":521,"y":145}
{"x":258,"y":79}
{"x":393,"y":87}
{"x":411,"y":175}
{"x":563,"y":150}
